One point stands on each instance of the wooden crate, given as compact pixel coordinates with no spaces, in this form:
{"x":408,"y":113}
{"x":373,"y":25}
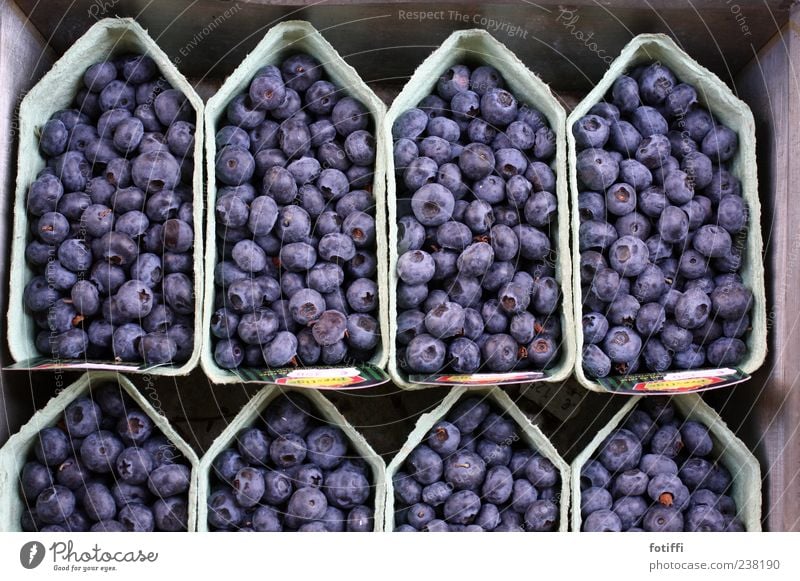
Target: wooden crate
{"x":754,"y":47}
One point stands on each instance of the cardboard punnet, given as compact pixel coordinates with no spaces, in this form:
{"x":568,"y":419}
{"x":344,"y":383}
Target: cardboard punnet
{"x":529,"y":433}
{"x":478,"y":46}
{"x":251,"y":413}
{"x":281,"y":41}
{"x":19,"y":448}
{"x":715,"y":95}
{"x":108,"y":38}
{"x":728,"y":449}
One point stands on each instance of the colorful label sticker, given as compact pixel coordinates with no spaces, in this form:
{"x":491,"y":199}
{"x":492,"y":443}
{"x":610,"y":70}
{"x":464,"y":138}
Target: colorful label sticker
{"x":316,"y":378}
{"x":674,"y":382}
{"x":43,"y":363}
{"x":479,"y":378}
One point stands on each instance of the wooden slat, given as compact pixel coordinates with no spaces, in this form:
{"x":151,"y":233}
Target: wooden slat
{"x":23,"y":59}
{"x":766,"y":411}
{"x":383,"y":44}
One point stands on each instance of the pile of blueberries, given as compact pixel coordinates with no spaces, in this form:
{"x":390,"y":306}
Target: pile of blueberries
{"x":290,"y":473}
{"x":104,"y":467}
{"x":111,"y":220}
{"x":662,"y":231}
{"x":476,"y":288}
{"x":471,"y":474}
{"x":296,"y":281}
{"x":656,"y":474}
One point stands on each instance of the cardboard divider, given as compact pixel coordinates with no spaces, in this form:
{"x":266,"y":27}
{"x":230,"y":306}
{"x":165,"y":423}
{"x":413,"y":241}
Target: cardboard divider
{"x":715,"y":95}
{"x":19,"y":448}
{"x":529,"y":433}
{"x":728,"y":449}
{"x":251,"y":413}
{"x":283,"y":40}
{"x":57,"y":89}
{"x":478,"y":46}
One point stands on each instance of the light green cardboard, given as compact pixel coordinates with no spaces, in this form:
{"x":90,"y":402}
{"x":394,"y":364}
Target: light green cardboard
{"x":251,"y":413}
{"x":728,"y":449}
{"x":728,"y":109}
{"x":57,"y":89}
{"x":480,"y":46}
{"x":282,"y":40}
{"x":530,"y":434}
{"x":18,"y":449}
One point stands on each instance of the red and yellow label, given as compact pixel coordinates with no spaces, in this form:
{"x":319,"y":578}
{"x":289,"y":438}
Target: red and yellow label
{"x":688,"y":384}
{"x":320,"y":381}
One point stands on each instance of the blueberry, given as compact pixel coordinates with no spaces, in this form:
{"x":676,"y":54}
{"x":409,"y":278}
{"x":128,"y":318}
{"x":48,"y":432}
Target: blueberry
{"x":593,"y":499}
{"x":668,"y":490}
{"x":625,"y":94}
{"x":468,"y":414}
{"x":500,"y":353}
{"x":99,"y":451}
{"x":726,"y":352}
{"x":349,"y":115}
{"x":281,"y":350}
{"x":455,"y":80}
{"x":524,"y":494}
{"x":590,"y":131}
{"x":462,"y":507}
{"x":157,"y":348}
{"x":98,"y":502}
{"x":596,"y":234}
{"x":52,"y":446}
{"x":137,"y":518}
{"x":36,"y":477}
{"x":425,"y":354}
{"x":55,"y":504}
{"x":596,"y":169}
{"x":630,"y":510}
{"x":731,"y":300}
{"x":595,"y":362}
{"x":346,"y":489}
{"x":82,"y":417}
{"x":171,"y":514}
{"x":540,"y":209}
{"x":720,"y":144}
{"x":223,"y":513}
{"x":326,"y":447}
{"x":44,"y":195}
{"x":605,"y":110}
{"x":620,"y":451}
{"x":541,"y":516}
